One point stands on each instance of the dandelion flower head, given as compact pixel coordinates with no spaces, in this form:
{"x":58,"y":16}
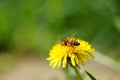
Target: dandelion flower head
{"x":63,"y":54}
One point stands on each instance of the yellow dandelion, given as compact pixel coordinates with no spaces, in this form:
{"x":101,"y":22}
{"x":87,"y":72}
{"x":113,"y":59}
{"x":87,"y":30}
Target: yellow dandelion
{"x":63,"y":54}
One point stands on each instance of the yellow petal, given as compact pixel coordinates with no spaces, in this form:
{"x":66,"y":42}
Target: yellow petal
{"x":52,"y":62}
{"x":80,"y":60}
{"x":59,"y":62}
{"x":64,"y":61}
{"x":73,"y":60}
{"x":55,"y":64}
{"x":89,"y":54}
{"x":76,"y":59}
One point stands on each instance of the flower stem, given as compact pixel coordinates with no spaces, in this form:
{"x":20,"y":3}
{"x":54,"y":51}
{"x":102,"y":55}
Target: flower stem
{"x":77,"y":73}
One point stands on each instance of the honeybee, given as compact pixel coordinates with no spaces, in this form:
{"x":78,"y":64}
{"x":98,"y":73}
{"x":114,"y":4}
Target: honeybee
{"x":69,"y":41}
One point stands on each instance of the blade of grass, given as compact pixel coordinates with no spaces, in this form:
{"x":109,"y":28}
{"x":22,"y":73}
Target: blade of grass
{"x":90,"y":75}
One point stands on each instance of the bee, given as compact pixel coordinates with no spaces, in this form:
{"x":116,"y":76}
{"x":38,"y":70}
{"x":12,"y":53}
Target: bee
{"x":69,"y":41}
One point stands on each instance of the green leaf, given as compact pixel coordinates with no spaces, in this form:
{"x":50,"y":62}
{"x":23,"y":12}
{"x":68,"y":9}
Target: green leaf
{"x":90,"y":75}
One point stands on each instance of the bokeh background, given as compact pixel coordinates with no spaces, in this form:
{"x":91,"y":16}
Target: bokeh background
{"x":29,"y":28}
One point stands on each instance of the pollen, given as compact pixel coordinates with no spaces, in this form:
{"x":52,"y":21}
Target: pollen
{"x":61,"y":55}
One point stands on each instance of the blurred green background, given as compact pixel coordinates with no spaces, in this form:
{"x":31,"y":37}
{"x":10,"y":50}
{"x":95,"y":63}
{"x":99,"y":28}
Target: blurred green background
{"x":33,"y":26}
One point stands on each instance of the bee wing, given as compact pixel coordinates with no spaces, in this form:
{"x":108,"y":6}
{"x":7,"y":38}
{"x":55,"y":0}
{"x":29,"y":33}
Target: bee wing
{"x":72,"y":36}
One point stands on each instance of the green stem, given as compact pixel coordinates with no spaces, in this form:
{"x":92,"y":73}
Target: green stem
{"x":77,"y":73}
